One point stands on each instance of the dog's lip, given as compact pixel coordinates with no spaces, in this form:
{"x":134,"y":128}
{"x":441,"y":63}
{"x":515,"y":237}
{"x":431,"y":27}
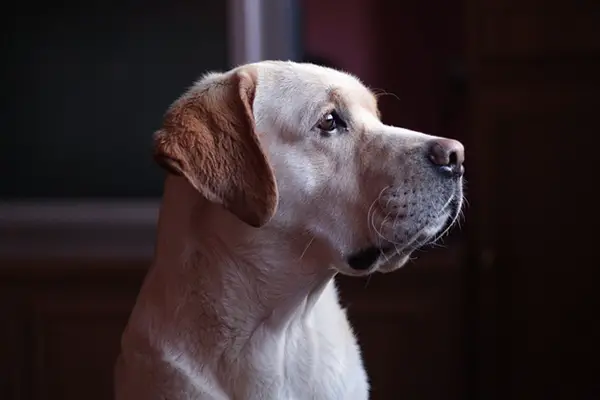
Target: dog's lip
{"x":364,"y":259}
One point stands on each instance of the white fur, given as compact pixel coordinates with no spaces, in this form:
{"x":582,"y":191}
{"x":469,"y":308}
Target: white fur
{"x":233,"y":312}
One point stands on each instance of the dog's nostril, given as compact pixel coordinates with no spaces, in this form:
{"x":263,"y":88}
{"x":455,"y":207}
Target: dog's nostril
{"x":448,"y":155}
{"x":453,"y":158}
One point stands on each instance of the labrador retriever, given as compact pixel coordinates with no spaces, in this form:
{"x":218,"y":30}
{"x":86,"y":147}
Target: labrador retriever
{"x":281,"y":175}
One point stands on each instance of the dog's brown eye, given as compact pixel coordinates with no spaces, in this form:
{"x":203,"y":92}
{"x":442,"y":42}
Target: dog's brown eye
{"x":330,"y":122}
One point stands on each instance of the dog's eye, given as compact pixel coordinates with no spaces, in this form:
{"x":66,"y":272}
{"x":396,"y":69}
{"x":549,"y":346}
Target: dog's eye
{"x":330,"y":123}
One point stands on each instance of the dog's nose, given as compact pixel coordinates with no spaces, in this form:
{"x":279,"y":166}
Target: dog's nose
{"x":448,"y":155}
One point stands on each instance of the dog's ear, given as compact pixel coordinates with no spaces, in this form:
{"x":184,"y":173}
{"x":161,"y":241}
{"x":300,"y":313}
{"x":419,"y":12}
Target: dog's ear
{"x":209,"y":137}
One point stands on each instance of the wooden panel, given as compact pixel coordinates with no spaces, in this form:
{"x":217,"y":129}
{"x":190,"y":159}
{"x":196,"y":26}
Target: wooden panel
{"x":519,"y":34}
{"x":532,"y":30}
{"x":412,"y":352}
{"x":13,"y":345}
{"x":546,"y":295}
{"x":535,"y":6}
{"x":534,"y":83}
{"x":62,"y":324}
{"x":538,"y":329}
{"x":77,"y":339}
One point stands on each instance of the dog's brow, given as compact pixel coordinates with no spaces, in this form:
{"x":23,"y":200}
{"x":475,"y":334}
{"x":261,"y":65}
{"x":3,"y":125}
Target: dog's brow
{"x":337,"y":97}
{"x":370,"y":102}
{"x":364,"y":97}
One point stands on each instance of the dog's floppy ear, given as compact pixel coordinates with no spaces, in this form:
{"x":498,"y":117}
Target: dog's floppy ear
{"x":209,"y":137}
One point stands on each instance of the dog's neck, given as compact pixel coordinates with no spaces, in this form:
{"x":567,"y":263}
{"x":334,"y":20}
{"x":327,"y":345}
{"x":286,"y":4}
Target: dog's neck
{"x":252,"y":278}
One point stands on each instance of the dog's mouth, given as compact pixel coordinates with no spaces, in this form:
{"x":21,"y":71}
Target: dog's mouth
{"x":366,"y":259}
{"x":363,"y":260}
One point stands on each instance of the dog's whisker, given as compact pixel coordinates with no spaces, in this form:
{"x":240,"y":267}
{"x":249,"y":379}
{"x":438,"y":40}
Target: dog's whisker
{"x":398,"y":250}
{"x":371,"y":215}
{"x":371,"y":219}
{"x":388,"y":240}
{"x":380,"y":235}
{"x":396,"y":220}
{"x":381,"y":92}
{"x":384,"y":237}
{"x":460,"y":219}
{"x":380,"y":232}
{"x":433,"y":241}
{"x":387,"y":260}
{"x":391,"y":241}
{"x":465,"y":201}
{"x":389,"y":200}
{"x":368,"y":280}
{"x":456,"y":219}
{"x":312,"y":239}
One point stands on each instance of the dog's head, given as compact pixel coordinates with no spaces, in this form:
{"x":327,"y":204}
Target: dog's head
{"x":302,"y":149}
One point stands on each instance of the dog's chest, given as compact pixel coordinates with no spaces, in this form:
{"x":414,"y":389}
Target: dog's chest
{"x":316,"y":358}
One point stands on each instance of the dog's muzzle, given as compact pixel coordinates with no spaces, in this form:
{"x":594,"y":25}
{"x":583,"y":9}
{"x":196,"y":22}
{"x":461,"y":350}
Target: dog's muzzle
{"x":365,"y":259}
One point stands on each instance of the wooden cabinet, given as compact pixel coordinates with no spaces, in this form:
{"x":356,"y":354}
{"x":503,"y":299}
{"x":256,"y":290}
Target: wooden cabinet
{"x":61,"y":327}
{"x":534,"y":83}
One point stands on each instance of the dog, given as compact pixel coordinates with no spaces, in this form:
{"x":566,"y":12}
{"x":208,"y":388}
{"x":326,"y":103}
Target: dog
{"x":280,"y":176}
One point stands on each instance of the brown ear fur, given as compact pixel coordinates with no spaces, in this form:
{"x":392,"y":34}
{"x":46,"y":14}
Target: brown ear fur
{"x":209,"y":137}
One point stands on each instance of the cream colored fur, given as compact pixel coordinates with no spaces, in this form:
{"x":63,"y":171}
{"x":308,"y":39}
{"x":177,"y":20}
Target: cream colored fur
{"x":230,"y":311}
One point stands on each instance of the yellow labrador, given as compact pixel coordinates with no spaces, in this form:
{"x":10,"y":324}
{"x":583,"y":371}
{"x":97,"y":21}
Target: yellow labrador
{"x":281,"y":176}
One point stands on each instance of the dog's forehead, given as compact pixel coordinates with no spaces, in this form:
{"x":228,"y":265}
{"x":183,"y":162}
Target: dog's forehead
{"x":314,"y":83}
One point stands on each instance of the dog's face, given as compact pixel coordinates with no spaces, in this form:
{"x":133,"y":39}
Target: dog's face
{"x":302,"y":148}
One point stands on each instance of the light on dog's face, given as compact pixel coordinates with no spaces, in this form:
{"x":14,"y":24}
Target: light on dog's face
{"x":373,"y":192}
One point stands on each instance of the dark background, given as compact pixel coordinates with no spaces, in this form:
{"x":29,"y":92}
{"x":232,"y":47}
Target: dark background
{"x":86,"y":85}
{"x":506,"y":309}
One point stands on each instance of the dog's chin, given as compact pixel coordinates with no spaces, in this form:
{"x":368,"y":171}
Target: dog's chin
{"x":393,"y":263}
